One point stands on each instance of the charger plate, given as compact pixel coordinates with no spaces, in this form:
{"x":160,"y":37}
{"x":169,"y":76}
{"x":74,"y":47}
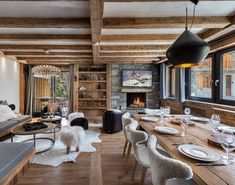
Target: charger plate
{"x":199,"y":152}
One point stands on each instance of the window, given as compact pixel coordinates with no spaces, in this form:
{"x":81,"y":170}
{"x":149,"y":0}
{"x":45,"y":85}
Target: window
{"x":201,"y":80}
{"x":228,"y":76}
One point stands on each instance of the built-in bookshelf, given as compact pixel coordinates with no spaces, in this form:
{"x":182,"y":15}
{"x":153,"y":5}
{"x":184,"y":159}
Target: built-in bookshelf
{"x":92,"y":88}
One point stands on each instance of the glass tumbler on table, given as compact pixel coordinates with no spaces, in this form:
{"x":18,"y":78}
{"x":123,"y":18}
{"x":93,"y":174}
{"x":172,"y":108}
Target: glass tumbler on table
{"x":187,"y":111}
{"x":215,"y":120}
{"x":184,"y":124}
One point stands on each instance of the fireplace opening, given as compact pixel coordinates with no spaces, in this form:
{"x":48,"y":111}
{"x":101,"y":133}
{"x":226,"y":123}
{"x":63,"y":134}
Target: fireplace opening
{"x":136,"y":100}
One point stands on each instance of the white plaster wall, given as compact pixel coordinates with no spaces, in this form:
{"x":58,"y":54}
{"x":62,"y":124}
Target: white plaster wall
{"x":10,"y":81}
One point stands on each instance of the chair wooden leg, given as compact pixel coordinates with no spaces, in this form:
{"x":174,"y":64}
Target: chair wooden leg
{"x":143,"y":172}
{"x":133,"y":172}
{"x":68,"y":149}
{"x":124,"y":150}
{"x":128,"y":155}
{"x":129,"y":149}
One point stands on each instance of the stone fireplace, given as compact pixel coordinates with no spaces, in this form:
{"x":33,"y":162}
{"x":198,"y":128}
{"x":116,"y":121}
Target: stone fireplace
{"x":136,"y":100}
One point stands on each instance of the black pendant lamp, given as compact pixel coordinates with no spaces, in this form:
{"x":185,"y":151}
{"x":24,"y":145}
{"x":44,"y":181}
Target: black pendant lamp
{"x":188,"y":50}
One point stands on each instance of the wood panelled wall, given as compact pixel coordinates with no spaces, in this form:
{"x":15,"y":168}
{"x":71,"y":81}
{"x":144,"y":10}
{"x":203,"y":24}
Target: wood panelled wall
{"x":227,"y":113}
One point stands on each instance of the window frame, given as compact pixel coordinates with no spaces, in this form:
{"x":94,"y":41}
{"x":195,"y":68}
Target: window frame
{"x":169,"y":81}
{"x":188,"y":83}
{"x":219,"y":75}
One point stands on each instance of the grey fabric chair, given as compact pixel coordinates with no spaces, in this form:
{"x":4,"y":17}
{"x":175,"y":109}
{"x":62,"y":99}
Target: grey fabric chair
{"x":167,"y":171}
{"x":126,"y":120}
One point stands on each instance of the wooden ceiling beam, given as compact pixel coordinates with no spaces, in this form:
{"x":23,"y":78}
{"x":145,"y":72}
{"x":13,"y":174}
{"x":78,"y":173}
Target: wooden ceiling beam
{"x":46,"y":47}
{"x":17,"y":53}
{"x":7,"y":22}
{"x":44,"y":37}
{"x":223,"y":44}
{"x":133,"y":47}
{"x":109,"y":54}
{"x":96,"y":8}
{"x":164,"y":22}
{"x":141,"y":37}
{"x":65,"y":62}
{"x":53,"y":58}
{"x":213,"y":34}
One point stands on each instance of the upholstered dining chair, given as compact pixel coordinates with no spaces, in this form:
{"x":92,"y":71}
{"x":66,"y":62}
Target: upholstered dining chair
{"x":167,"y":171}
{"x":125,"y":122}
{"x":139,"y":143}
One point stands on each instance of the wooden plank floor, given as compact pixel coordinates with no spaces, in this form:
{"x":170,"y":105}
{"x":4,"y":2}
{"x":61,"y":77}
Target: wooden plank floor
{"x":104,"y":167}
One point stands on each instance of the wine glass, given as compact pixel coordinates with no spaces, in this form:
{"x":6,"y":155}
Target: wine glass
{"x":184,"y":124}
{"x":228,"y":144}
{"x":187,"y":111}
{"x":215,"y":120}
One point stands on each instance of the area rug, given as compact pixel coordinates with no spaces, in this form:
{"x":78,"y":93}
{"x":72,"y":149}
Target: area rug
{"x":57,"y":155}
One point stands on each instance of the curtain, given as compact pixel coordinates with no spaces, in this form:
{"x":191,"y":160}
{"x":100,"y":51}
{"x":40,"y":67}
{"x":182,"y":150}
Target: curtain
{"x":163,"y":84}
{"x":29,"y":89}
{"x":180,"y":85}
{"x":71,"y":73}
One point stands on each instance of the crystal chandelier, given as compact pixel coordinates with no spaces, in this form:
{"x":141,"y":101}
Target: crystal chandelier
{"x":45,"y":71}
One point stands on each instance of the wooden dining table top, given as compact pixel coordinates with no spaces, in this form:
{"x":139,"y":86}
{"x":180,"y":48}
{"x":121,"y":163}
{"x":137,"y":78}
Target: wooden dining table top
{"x":198,"y":135}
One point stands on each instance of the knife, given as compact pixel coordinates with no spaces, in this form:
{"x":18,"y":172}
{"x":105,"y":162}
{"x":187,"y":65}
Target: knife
{"x":211,"y":164}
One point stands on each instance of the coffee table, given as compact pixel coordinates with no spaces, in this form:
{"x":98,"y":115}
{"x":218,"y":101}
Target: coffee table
{"x":20,"y":130}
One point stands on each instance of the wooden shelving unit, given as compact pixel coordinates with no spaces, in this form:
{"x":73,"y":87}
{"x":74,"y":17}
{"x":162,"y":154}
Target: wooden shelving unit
{"x":92,"y":90}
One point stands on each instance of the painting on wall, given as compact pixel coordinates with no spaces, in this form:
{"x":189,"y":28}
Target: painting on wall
{"x":132,"y":78}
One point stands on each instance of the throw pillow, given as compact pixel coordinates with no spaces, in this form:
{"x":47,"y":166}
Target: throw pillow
{"x":6,"y":113}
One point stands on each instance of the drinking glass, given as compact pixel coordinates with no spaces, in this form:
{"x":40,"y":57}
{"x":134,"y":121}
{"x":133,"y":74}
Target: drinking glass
{"x":228,"y":144}
{"x":187,"y":111}
{"x":167,"y":110}
{"x":162,"y":114}
{"x":184,"y":124}
{"x":215,"y":120}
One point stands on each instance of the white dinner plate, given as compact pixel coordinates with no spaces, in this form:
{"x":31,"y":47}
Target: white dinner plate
{"x":151,"y":119}
{"x":166,"y":130}
{"x":227,"y":128}
{"x":199,"y":152}
{"x":199,"y":119}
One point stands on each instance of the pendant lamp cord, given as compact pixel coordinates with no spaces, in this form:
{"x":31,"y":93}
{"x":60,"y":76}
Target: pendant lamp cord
{"x":194,"y":10}
{"x":186,"y":26}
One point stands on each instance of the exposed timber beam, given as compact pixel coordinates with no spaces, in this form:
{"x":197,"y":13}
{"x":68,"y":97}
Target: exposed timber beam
{"x":43,"y":37}
{"x":17,"y":53}
{"x":142,"y":37}
{"x":224,"y":43}
{"x":164,"y":22}
{"x":46,"y":47}
{"x":53,"y":58}
{"x":133,"y":47}
{"x":97,"y":8}
{"x":7,"y":22}
{"x":123,"y":54}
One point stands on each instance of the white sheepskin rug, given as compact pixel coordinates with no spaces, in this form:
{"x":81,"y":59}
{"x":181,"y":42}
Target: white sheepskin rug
{"x":57,"y":155}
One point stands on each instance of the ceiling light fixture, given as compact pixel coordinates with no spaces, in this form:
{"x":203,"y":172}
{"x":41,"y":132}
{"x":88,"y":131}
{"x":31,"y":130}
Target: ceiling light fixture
{"x":45,"y":71}
{"x":189,"y":49}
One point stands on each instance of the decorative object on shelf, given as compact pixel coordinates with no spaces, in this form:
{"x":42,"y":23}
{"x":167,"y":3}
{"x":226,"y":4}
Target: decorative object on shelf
{"x":45,"y":71}
{"x":189,"y":49}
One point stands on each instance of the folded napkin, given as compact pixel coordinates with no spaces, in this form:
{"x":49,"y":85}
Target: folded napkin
{"x":34,"y":126}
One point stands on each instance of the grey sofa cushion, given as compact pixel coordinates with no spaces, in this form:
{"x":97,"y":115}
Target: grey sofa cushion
{"x":23,"y":118}
{"x":13,"y":122}
{"x":8,"y":124}
{"x":11,"y":154}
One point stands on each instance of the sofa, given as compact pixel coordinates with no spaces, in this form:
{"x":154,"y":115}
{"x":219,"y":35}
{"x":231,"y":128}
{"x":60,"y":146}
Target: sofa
{"x":7,"y":126}
{"x":14,"y":158}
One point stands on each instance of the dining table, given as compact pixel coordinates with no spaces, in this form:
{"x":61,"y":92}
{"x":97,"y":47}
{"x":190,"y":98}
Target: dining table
{"x":198,"y":134}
